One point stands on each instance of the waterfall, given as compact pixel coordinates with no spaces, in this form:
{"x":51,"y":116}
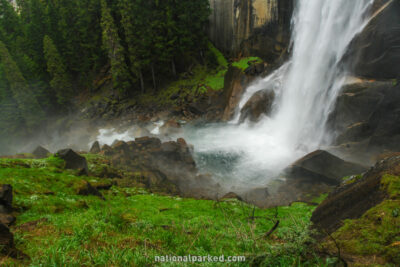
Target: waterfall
{"x":306,"y":88}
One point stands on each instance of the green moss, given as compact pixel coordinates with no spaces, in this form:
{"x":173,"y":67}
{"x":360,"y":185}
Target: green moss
{"x":391,"y":184}
{"x":351,"y":179}
{"x":244,"y":63}
{"x":319,"y":199}
{"x":132,"y":226}
{"x":377,"y":232}
{"x":219,"y":56}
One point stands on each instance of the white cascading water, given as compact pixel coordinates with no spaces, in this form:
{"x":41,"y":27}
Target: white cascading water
{"x":306,"y":88}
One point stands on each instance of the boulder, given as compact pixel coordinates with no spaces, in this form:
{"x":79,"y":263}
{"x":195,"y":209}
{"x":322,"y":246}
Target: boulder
{"x":170,"y":127}
{"x":322,"y":167}
{"x":259,"y":103}
{"x":6,"y":198}
{"x":86,"y":189}
{"x":352,"y":200}
{"x":40,"y":152}
{"x":95,"y":149}
{"x":73,"y":160}
{"x":6,"y":240}
{"x":232,"y":195}
{"x":7,"y":219}
{"x":106,"y":150}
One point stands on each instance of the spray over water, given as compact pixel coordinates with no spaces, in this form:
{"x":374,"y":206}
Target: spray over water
{"x":306,"y":88}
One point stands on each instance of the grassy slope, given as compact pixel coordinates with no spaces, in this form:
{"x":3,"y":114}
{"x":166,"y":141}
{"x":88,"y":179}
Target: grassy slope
{"x":131,"y":226}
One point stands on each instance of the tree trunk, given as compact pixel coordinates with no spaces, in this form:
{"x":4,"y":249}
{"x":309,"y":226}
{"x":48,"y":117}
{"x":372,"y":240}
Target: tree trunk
{"x":173,"y":67}
{"x":154,"y":76}
{"x":141,"y":81}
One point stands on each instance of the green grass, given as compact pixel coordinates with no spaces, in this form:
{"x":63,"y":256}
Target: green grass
{"x":245,"y":62}
{"x":131,"y":226}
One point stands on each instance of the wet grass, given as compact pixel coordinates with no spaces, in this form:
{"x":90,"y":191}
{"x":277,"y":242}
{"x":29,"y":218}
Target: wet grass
{"x":57,"y":227}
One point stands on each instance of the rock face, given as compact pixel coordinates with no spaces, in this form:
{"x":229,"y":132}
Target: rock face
{"x":73,"y":160}
{"x":41,"y":152}
{"x":376,"y":50}
{"x":351,"y":201}
{"x":259,"y":104}
{"x":368,"y":113}
{"x":235,"y":84}
{"x":251,"y":27}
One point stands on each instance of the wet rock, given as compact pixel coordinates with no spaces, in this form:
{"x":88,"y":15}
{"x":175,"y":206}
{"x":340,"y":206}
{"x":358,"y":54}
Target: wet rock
{"x":73,"y":160}
{"x":352,"y":200}
{"x":40,"y":152}
{"x":375,"y":52}
{"x":95,"y":149}
{"x":322,"y":167}
{"x":259,"y":104}
{"x":171,"y":127}
{"x":166,"y":167}
{"x":368,"y":111}
{"x":255,"y":69}
{"x":235,"y":84}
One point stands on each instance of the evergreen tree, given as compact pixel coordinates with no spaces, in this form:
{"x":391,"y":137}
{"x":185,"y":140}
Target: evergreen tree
{"x":60,"y":81}
{"x":28,"y":105}
{"x":112,"y":44}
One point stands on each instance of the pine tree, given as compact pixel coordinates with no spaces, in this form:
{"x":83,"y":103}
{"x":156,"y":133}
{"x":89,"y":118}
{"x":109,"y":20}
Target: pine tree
{"x":60,"y":82}
{"x":28,"y":105}
{"x":112,"y":43}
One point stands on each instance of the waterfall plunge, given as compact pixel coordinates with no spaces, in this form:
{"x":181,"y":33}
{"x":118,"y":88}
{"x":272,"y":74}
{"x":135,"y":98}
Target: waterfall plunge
{"x":306,"y":88}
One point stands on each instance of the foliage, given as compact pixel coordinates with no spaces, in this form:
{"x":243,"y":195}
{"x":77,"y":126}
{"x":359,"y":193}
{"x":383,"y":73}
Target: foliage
{"x":142,"y":41}
{"x":60,"y":81}
{"x":244,"y":63}
{"x":28,"y":105}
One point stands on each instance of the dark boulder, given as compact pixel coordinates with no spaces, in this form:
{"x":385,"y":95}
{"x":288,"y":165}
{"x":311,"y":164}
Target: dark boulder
{"x":6,"y":240}
{"x":40,"y":152}
{"x":86,"y":189}
{"x":352,"y":200}
{"x":6,"y":198}
{"x":95,"y":149}
{"x":7,"y":219}
{"x":73,"y":160}
{"x":322,"y":167}
{"x":232,"y":195}
{"x":259,"y":103}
